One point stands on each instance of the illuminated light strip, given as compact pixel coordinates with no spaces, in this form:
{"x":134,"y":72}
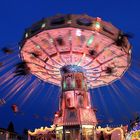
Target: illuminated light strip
{"x":41,"y":130}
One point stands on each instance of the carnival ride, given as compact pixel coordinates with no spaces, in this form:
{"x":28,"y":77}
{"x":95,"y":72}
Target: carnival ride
{"x":75,"y":52}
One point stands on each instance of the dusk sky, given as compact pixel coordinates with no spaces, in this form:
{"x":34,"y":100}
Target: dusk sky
{"x":37,"y":108}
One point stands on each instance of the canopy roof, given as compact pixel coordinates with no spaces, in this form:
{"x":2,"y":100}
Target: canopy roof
{"x":77,"y":40}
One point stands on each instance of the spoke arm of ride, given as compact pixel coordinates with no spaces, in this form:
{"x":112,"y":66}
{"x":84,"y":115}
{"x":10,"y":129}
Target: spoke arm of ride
{"x":53,"y":61}
{"x":54,"y":44}
{"x":106,"y":62}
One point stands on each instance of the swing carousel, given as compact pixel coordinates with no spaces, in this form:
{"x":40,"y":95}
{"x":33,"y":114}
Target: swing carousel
{"x":76,"y":53}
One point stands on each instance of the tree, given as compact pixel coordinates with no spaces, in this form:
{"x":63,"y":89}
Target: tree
{"x":25,"y":131}
{"x":11,"y":127}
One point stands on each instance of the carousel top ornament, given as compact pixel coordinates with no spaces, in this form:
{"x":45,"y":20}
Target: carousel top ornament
{"x":82,"y":43}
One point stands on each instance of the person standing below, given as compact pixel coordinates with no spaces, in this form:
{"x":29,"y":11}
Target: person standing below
{"x":102,"y":136}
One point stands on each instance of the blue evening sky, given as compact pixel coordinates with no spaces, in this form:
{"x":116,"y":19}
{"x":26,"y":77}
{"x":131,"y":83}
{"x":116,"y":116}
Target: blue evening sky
{"x":17,"y":15}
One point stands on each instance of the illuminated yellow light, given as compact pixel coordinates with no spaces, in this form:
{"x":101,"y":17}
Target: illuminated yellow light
{"x":41,"y":130}
{"x":135,"y":135}
{"x":97,"y":25}
{"x":87,"y":126}
{"x":67,"y":132}
{"x":59,"y":128}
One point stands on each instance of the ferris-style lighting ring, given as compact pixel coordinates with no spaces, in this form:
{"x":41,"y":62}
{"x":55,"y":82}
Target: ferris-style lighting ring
{"x":77,"y":40}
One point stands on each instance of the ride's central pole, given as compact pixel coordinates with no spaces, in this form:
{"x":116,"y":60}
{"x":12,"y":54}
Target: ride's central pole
{"x":75,"y":116}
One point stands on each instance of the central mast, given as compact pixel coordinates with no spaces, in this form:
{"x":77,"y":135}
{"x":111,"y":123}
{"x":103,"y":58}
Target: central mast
{"x":75,"y":115}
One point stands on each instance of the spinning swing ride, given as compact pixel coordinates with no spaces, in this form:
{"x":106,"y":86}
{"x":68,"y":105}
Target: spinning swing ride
{"x":76,"y":53}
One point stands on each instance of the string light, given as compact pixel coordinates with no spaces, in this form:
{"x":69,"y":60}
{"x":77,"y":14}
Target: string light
{"x":26,"y":35}
{"x":97,"y":24}
{"x":89,"y":42}
{"x":43,"y":25}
